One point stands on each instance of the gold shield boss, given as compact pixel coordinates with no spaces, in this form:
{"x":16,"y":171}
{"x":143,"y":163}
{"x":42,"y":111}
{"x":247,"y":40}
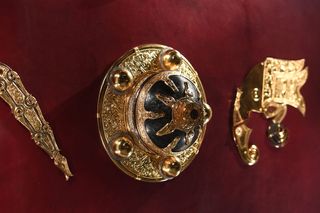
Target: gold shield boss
{"x":152,"y":113}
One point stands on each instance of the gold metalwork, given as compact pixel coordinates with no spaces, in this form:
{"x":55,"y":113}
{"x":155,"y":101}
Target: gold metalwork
{"x":123,"y":116}
{"x":121,"y":79}
{"x":170,"y":59}
{"x":26,"y":110}
{"x":122,"y":147}
{"x":268,"y":89}
{"x":171,"y":167}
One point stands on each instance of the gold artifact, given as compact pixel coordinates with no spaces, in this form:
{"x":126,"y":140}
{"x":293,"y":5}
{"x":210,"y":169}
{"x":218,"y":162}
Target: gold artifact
{"x":26,"y":110}
{"x":268,"y":88}
{"x":152,"y":113}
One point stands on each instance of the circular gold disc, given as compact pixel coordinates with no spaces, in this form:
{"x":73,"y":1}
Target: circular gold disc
{"x":152,"y":113}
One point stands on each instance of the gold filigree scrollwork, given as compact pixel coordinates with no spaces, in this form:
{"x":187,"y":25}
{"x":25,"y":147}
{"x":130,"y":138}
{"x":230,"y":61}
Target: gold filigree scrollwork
{"x":26,"y":110}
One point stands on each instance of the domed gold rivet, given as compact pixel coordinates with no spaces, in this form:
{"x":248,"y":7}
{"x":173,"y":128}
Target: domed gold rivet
{"x":10,"y":75}
{"x":121,"y":79}
{"x":238,"y":131}
{"x":18,"y":111}
{"x":171,"y":167}
{"x":171,"y":59}
{"x":30,"y":100}
{"x":122,"y":147}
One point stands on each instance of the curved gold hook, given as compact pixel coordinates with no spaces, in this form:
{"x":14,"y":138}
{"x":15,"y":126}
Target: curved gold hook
{"x":268,"y":89}
{"x":26,"y":110}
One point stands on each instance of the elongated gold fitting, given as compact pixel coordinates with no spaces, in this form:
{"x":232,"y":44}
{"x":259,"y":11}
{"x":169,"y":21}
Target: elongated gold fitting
{"x":26,"y":110}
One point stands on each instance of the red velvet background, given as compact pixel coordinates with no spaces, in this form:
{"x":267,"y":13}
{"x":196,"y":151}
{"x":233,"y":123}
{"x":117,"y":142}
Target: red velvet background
{"x":61,"y":50}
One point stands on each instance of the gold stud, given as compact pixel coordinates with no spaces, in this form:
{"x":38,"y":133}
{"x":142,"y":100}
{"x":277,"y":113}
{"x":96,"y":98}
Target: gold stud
{"x":171,"y":167}
{"x":170,"y":59}
{"x":122,"y":147}
{"x":121,"y":79}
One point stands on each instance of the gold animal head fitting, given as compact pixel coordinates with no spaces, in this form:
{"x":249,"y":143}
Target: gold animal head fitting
{"x":268,"y":88}
{"x":61,"y":162}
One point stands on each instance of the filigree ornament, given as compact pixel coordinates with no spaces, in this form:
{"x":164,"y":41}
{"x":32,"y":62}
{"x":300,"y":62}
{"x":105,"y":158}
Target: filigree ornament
{"x":152,"y":113}
{"x":268,"y":88}
{"x":26,"y":110}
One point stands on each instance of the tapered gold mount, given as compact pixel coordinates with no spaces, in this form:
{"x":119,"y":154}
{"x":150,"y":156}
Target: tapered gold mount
{"x":152,"y":113}
{"x":26,"y":110}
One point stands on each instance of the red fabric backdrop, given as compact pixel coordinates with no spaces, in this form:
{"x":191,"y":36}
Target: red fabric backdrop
{"x":61,"y":50}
